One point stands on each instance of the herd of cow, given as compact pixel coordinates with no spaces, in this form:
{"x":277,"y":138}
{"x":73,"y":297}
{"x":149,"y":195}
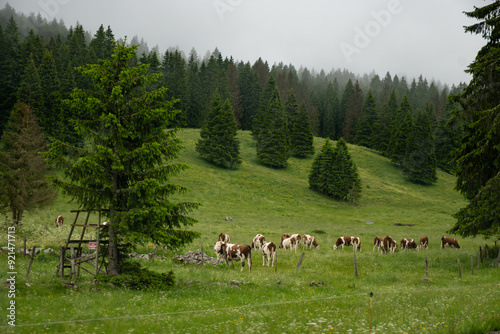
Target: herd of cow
{"x":233,"y":252}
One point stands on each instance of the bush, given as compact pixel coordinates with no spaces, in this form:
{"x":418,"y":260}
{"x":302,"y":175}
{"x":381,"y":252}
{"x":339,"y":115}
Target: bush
{"x":135,"y":277}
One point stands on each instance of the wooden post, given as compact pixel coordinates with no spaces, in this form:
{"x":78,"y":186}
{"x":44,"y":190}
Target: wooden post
{"x":72,"y":263}
{"x":459,"y":268}
{"x":472,"y":265}
{"x":426,"y":267}
{"x":478,"y":259}
{"x":31,"y":261}
{"x":300,"y":261}
{"x":24,"y":252}
{"x":371,"y":310}
{"x":480,"y":254}
{"x":61,"y":261}
{"x":355,"y":266}
{"x":486,"y":252}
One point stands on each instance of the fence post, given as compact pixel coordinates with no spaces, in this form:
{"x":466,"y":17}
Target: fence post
{"x":72,"y":263}
{"x":300,"y":261}
{"x":24,"y":251}
{"x":61,"y":261}
{"x":478,"y":259}
{"x":480,"y":254}
{"x":371,"y":310}
{"x":31,"y":261}
{"x":355,"y":266}
{"x":459,"y":268}
{"x":426,"y":267}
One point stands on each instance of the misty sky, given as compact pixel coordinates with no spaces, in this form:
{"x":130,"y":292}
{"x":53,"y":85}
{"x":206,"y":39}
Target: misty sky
{"x":403,"y":37}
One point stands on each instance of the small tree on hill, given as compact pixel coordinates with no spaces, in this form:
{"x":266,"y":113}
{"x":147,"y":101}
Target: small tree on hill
{"x":218,"y":143}
{"x":127,"y":160}
{"x":301,"y":136}
{"x":24,"y":183}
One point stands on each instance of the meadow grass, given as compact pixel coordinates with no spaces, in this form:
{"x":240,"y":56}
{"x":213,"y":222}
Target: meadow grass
{"x":273,"y":201}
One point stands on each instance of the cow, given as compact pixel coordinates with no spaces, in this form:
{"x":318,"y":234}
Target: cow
{"x":258,"y":241}
{"x":445,"y":241}
{"x":424,"y":242}
{"x":233,"y":252}
{"x":297,"y":238}
{"x":348,"y":241}
{"x":289,"y":243}
{"x":228,"y":219}
{"x":408,"y":243}
{"x":283,"y":237}
{"x":389,"y":245}
{"x":377,"y":243}
{"x":224,"y":238}
{"x":309,"y":240}
{"x":59,"y":221}
{"x":269,"y":253}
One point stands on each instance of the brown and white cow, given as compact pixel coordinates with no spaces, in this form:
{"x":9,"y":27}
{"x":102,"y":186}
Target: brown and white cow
{"x":408,"y":243}
{"x":233,"y":252}
{"x":309,"y":240}
{"x":377,"y":243}
{"x":258,"y":241}
{"x":348,"y":241}
{"x":269,"y":253}
{"x":445,"y":241}
{"x":424,"y":242}
{"x":283,"y":237}
{"x":224,"y":238}
{"x":297,"y":238}
{"x":59,"y":221}
{"x":389,"y":245}
{"x":289,"y":243}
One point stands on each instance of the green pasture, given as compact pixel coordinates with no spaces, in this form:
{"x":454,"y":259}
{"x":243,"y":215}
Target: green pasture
{"x":324,"y":296}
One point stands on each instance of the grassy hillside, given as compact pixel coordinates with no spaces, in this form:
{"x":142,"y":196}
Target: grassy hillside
{"x":323,"y":296}
{"x":273,"y":201}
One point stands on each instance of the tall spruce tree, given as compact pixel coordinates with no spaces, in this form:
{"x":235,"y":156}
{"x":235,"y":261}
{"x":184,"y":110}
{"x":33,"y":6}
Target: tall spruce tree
{"x":353,"y":113}
{"x":350,"y":182}
{"x":478,"y":158}
{"x":24,"y":170}
{"x":365,"y":133}
{"x":301,"y":136}
{"x":384,"y":124}
{"x":273,"y":142}
{"x":419,"y":163}
{"x":219,"y":143}
{"x":402,"y":128}
{"x":127,"y":161}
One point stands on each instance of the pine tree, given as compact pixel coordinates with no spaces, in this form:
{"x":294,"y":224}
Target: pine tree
{"x":478,"y":158}
{"x":350,"y":183}
{"x":219,"y":143}
{"x":344,"y":105}
{"x":403,"y":126}
{"x":273,"y":146}
{"x":291,"y":109}
{"x":30,"y":90}
{"x":384,"y":125}
{"x":419,"y":163}
{"x":50,"y":116}
{"x":365,"y":132}
{"x":260,"y":118}
{"x":126,"y":163}
{"x":353,"y":113}
{"x":194,"y":114}
{"x":24,"y":169}
{"x":301,"y":136}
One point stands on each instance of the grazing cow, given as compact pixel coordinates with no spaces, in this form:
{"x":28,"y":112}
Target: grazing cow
{"x":289,"y":243}
{"x":269,"y":252}
{"x":297,"y":238}
{"x":424,"y":242}
{"x":389,"y":245}
{"x":377,"y":243}
{"x":309,"y":240}
{"x":232,"y":252}
{"x":445,"y":241}
{"x":258,"y":241}
{"x":59,"y":221}
{"x":348,"y":241}
{"x":228,"y":219}
{"x":283,"y":237}
{"x":408,"y":243}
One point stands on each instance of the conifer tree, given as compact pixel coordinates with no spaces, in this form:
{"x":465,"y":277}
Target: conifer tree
{"x":30,"y":89}
{"x":402,"y":129}
{"x":24,"y":170}
{"x":324,"y":176}
{"x":260,"y":118}
{"x":301,"y":136}
{"x":250,"y":91}
{"x":344,"y":105}
{"x":350,"y":184}
{"x":365,"y":133}
{"x":419,"y":163}
{"x":353,"y":113}
{"x":384,"y":124}
{"x":194,"y":112}
{"x":291,"y":109}
{"x":219,"y":143}
{"x":127,"y":161}
{"x":273,"y":143}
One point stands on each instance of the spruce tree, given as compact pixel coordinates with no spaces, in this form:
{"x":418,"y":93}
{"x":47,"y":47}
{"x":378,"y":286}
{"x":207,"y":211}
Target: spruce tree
{"x":301,"y":136}
{"x":219,"y":143}
{"x":402,"y":128}
{"x":350,"y":184}
{"x":384,"y":124}
{"x":24,"y":170}
{"x":260,"y":118}
{"x":353,"y":113}
{"x":273,"y":143}
{"x":365,"y":133}
{"x":419,"y":163}
{"x":127,"y":161}
{"x":324,"y":177}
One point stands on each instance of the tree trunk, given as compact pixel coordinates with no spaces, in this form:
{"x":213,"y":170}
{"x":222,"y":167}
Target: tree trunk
{"x":113,"y":267}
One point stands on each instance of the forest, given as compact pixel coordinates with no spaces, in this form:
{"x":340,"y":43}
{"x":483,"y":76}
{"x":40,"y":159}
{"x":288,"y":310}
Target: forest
{"x":39,"y":60}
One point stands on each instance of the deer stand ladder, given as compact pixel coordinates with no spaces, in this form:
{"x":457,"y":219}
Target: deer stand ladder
{"x":92,"y":263}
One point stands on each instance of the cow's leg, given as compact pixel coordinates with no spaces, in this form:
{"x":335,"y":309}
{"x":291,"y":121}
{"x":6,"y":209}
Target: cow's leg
{"x":264,"y":260}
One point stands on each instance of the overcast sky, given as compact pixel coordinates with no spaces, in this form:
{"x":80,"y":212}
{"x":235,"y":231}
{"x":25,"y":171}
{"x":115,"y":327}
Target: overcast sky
{"x":403,"y":37}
